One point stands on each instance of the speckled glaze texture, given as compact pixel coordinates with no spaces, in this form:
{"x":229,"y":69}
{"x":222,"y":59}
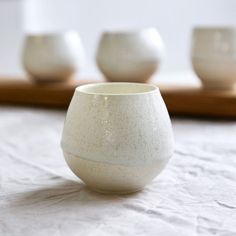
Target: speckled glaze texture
{"x":117,"y":136}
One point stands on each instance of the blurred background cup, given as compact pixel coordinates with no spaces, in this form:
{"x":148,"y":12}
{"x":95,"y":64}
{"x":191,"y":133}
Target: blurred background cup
{"x":130,"y":56}
{"x":52,"y":57}
{"x":213,"y":56}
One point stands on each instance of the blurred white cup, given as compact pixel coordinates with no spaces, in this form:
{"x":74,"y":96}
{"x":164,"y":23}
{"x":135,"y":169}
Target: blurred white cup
{"x":52,"y":57}
{"x":213,"y":56}
{"x":130,"y":56}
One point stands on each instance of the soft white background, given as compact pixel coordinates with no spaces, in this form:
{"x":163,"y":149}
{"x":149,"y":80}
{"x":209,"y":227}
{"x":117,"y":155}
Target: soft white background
{"x":173,"y":19}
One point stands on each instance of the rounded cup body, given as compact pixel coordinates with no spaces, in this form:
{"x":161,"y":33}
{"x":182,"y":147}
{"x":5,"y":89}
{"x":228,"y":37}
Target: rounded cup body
{"x":52,"y":57}
{"x":117,"y":136}
{"x":213,"y":56}
{"x":130,"y":56}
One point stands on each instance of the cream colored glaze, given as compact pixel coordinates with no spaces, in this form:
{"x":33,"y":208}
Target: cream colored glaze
{"x":214,"y":56}
{"x":52,"y":57}
{"x":130,"y":56}
{"x":114,"y":129}
{"x":108,"y":178}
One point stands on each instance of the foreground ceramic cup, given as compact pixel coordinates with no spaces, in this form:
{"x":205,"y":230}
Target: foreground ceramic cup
{"x":117,"y":136}
{"x":130,"y":56}
{"x":53,"y":57}
{"x":214,"y":56}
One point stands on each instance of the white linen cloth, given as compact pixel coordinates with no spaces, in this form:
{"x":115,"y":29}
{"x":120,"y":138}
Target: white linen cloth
{"x":194,"y":195}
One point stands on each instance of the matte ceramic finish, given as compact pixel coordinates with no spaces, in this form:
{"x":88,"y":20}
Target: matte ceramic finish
{"x":131,"y":56}
{"x":117,"y":136}
{"x":52,"y":57}
{"x":214,"y":56}
{"x":104,"y":177}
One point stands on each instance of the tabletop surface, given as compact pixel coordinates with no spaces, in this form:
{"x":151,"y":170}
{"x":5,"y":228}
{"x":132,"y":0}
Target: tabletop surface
{"x":194,"y":195}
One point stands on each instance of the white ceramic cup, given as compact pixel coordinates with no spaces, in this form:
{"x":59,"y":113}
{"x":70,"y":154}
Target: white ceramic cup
{"x":52,"y":57}
{"x":117,"y":136}
{"x":130,"y":56}
{"x":213,"y":56}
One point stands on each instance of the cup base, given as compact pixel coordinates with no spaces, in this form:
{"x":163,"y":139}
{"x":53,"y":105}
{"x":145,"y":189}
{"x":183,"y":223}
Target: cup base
{"x":113,"y":179}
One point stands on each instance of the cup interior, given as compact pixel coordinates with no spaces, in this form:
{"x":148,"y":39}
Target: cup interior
{"x":116,"y":88}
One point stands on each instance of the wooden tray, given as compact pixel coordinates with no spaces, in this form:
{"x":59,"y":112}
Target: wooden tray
{"x":179,"y":100}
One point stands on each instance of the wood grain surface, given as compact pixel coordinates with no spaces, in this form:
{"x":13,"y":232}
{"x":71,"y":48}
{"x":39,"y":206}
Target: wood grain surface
{"x":179,"y":100}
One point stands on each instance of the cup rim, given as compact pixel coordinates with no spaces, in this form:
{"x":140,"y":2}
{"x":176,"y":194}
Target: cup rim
{"x":127,"y":32}
{"x":214,"y":27}
{"x":108,"y":89}
{"x":50,"y":34}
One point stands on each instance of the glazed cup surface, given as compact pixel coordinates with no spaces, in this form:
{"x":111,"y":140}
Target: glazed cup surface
{"x":213,"y":56}
{"x":130,"y":56}
{"x":117,"y":136}
{"x":52,"y":57}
